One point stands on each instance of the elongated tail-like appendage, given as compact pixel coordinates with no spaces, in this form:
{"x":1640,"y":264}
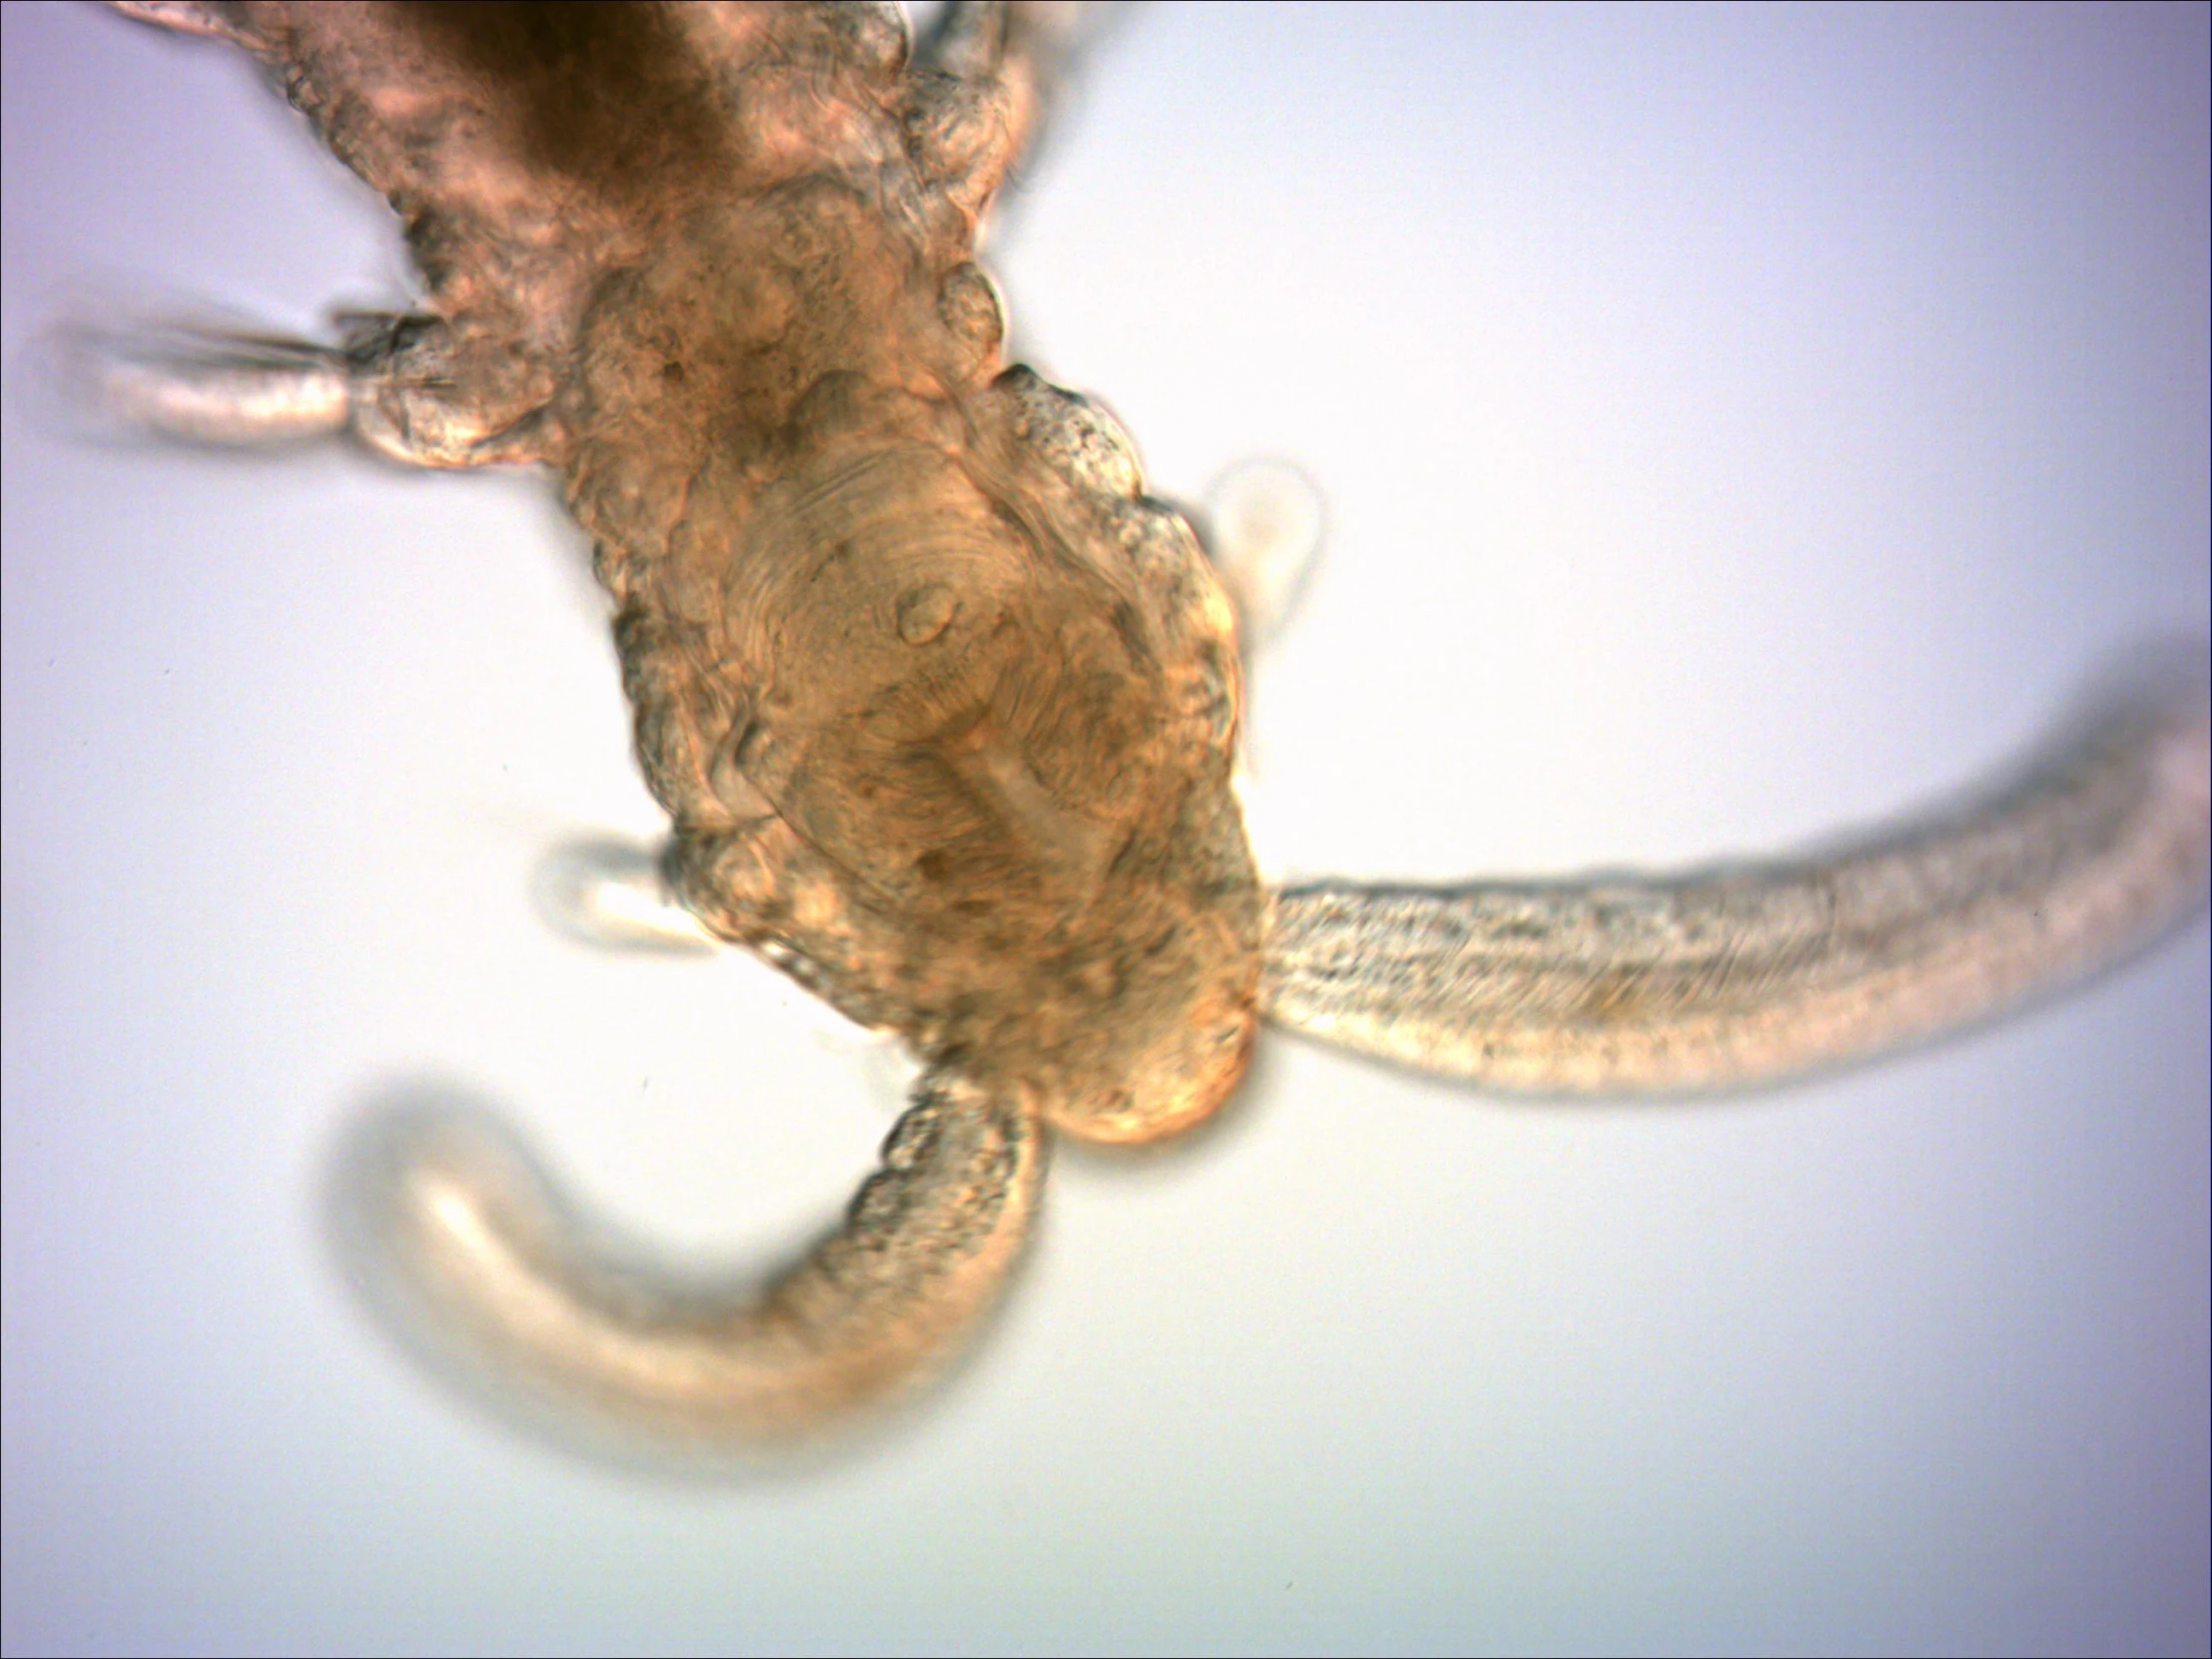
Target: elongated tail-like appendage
{"x":1748,"y":974}
{"x":478,"y":1263}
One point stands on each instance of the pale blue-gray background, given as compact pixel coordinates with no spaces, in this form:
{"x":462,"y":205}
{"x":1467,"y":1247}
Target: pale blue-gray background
{"x":1736,"y":424}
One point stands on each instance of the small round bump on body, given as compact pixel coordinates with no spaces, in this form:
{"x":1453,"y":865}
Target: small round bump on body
{"x":925,"y":612}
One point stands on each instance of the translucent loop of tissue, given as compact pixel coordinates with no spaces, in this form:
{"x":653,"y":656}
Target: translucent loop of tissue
{"x":612,"y":895}
{"x":1264,"y":522}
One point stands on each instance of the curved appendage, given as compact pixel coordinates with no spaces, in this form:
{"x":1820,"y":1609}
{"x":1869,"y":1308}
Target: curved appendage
{"x":1745,"y":974}
{"x":476,"y":1259}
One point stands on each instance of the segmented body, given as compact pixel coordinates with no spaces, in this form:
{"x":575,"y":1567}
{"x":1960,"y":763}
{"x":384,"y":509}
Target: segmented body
{"x":941,"y":705}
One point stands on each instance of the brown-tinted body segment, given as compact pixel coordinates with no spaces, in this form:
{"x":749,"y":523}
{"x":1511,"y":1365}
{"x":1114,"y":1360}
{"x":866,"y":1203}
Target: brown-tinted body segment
{"x":941,"y":705}
{"x":942,"y":708}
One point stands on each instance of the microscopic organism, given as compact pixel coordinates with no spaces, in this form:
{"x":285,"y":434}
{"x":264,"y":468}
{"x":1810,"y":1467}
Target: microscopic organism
{"x":943,"y":706}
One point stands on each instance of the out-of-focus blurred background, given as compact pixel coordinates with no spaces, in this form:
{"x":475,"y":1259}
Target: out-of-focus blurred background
{"x":1736,"y":424}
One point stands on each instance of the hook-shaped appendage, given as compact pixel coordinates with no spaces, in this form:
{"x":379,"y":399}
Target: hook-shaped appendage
{"x":1743,"y":974}
{"x":468,"y":1250}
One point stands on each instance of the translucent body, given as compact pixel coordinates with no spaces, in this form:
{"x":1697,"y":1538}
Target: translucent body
{"x":942,"y":707}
